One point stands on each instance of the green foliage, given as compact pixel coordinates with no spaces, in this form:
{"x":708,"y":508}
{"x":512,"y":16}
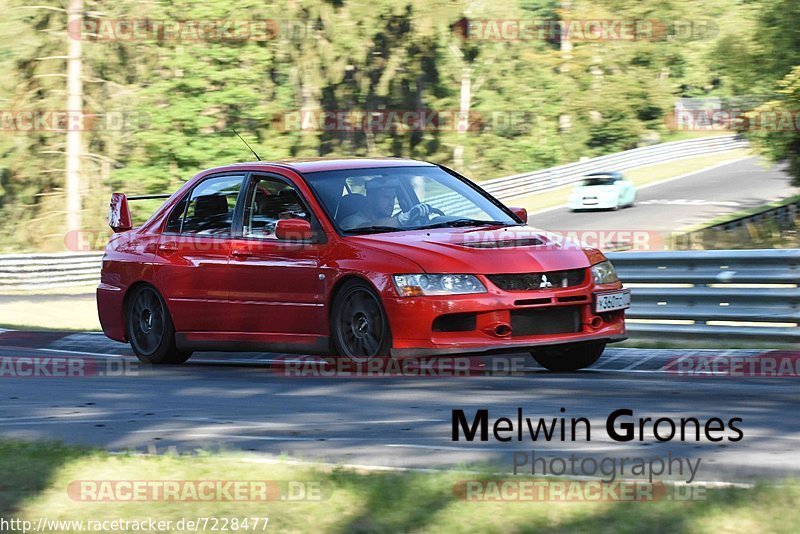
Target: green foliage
{"x":776,"y":124}
{"x":531,"y":104}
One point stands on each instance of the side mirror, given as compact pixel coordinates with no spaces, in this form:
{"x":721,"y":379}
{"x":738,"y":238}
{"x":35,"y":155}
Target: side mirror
{"x":119,"y":216}
{"x":293,"y":229}
{"x":521,"y":213}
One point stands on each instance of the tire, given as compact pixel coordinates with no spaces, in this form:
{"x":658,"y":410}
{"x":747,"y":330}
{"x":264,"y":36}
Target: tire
{"x":359,"y":327}
{"x":150,"y":330}
{"x":569,"y":359}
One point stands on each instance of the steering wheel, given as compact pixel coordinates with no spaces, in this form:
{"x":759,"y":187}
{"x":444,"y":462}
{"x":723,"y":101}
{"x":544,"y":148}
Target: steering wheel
{"x":421,"y":219}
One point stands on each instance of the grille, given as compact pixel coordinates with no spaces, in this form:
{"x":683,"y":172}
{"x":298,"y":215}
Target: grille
{"x":557,"y":320}
{"x":530,"y":281}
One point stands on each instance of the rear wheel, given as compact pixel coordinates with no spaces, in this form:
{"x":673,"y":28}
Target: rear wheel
{"x":569,"y":359}
{"x":150,"y":330}
{"x":359,"y":325}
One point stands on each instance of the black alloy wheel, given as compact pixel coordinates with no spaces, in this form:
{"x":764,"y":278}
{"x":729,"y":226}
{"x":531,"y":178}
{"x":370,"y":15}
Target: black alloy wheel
{"x":150,"y":330}
{"x":358,"y":323}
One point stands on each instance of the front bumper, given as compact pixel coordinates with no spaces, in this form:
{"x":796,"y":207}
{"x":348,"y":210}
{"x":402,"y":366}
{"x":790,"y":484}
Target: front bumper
{"x":599,"y":203}
{"x":413,"y":334}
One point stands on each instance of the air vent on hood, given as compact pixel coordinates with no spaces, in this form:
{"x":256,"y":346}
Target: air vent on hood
{"x":506,"y":243}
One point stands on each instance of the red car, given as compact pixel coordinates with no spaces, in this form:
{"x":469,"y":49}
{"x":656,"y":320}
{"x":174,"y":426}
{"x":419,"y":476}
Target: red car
{"x":355,"y":257}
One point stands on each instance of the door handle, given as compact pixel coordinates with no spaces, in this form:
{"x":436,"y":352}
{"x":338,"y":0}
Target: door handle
{"x":241,"y":254}
{"x":169,"y":246}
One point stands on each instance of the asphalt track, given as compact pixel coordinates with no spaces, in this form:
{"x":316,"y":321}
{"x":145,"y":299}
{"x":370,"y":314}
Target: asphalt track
{"x":248,"y":402}
{"x":680,"y":203}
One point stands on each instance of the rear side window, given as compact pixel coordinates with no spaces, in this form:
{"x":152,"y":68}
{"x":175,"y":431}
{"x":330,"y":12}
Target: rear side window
{"x":208,"y":210}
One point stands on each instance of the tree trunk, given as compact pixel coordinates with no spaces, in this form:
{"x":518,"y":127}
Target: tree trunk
{"x":75,"y":121}
{"x":564,"y":120}
{"x":462,"y":124}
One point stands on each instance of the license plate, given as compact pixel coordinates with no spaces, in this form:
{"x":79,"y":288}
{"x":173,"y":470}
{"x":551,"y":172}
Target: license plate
{"x":618,"y":300}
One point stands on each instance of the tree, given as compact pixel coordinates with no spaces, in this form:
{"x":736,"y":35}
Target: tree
{"x":774,"y":127}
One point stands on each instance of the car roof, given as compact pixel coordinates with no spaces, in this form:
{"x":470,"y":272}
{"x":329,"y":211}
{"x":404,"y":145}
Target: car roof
{"x":335,"y":164}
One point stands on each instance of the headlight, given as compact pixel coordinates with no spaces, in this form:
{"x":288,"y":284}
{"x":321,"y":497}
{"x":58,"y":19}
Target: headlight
{"x":415,"y":285}
{"x":604,"y":273}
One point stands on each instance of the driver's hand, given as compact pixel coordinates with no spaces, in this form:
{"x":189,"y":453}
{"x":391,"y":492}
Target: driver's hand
{"x":416,"y":212}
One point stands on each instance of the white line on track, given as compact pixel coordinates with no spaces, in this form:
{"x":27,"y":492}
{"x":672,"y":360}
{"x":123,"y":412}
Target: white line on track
{"x":270,"y":438}
{"x":55,"y":422}
{"x":103,"y":354}
{"x":233,"y":361}
{"x":639,"y":362}
{"x":493,"y":449}
{"x":244,"y":425}
{"x":606,"y":361}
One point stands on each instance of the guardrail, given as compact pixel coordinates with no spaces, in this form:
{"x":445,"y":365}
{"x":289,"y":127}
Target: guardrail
{"x":510,"y":187}
{"x":45,"y":271}
{"x":719,"y":294}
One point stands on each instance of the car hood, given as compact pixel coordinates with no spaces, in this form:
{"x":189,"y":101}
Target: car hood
{"x":484,"y":250}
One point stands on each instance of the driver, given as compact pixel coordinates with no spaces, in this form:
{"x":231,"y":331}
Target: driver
{"x":381,"y":195}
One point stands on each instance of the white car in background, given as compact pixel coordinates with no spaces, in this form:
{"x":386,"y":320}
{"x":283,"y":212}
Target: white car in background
{"x":603,"y":190}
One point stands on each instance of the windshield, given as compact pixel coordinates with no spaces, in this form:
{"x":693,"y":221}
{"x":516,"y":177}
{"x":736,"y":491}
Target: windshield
{"x":390,"y":199}
{"x":598,"y":180}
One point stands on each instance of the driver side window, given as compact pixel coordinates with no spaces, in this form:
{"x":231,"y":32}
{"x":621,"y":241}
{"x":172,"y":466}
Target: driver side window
{"x":270,"y":200}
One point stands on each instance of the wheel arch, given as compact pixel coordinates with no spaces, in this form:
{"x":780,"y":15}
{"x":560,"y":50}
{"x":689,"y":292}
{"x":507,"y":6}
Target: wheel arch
{"x":344,"y":279}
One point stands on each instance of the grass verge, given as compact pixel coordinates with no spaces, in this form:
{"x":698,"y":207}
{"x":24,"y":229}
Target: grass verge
{"x":640,"y":176}
{"x":38,"y":477}
{"x":72,"y":310}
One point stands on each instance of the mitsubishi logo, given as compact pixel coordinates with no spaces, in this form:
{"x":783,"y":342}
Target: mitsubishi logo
{"x":545,"y":283}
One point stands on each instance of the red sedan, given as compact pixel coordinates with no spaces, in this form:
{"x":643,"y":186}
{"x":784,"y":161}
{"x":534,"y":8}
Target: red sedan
{"x":362,"y":258}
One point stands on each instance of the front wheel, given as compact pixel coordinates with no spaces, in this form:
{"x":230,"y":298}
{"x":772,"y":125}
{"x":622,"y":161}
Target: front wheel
{"x":569,"y":359}
{"x":359,"y":325}
{"x":150,"y":328}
